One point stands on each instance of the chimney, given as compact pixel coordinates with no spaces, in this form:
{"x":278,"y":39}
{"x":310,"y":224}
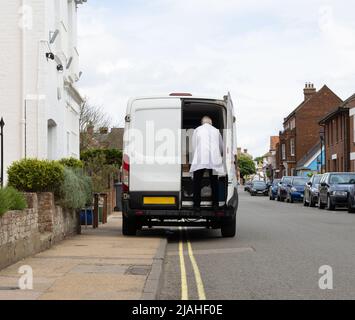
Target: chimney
{"x":309,"y":91}
{"x":245,"y":151}
{"x":104,"y":130}
{"x":239,"y":151}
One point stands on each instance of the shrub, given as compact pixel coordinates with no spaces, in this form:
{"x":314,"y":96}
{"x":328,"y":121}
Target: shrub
{"x":11,"y":199}
{"x":71,"y":163}
{"x":76,"y":189}
{"x":32,"y":175}
{"x":111,"y":156}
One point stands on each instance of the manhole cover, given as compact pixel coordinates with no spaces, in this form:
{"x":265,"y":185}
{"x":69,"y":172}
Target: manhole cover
{"x":138,"y":270}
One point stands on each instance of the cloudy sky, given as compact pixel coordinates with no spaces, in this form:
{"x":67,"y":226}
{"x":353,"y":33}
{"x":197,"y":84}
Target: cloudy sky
{"x":262,"y":51}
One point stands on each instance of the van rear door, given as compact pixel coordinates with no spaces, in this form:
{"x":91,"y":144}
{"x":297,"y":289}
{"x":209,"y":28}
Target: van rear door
{"x":230,"y":139}
{"x":155,"y":150}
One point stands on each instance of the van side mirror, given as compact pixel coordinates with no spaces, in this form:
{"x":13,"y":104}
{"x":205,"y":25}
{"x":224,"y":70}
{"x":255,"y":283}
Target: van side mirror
{"x":310,"y":184}
{"x":323,"y":184}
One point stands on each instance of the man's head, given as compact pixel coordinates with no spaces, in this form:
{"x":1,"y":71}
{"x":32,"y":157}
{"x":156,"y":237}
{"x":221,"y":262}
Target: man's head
{"x":206,"y":119}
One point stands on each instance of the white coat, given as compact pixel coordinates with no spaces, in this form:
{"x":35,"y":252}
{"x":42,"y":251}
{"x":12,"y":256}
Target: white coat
{"x":207,"y":147}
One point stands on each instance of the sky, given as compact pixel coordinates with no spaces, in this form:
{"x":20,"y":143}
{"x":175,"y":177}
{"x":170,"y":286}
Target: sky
{"x":262,"y":52}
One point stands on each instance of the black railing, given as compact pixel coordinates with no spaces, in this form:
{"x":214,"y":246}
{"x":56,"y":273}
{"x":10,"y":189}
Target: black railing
{"x":2,"y":124}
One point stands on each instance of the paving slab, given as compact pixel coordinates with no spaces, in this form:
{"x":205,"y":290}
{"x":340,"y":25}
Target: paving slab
{"x":98,"y":264}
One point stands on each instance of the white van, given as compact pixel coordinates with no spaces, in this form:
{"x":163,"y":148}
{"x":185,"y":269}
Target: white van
{"x":157,"y":184}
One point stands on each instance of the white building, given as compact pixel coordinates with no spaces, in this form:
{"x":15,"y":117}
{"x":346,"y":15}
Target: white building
{"x":38,"y":97}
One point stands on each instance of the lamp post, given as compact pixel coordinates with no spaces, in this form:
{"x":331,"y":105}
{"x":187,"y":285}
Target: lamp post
{"x":2,"y":124}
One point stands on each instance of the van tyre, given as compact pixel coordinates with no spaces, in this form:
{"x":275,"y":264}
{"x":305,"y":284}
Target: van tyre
{"x":129,"y":226}
{"x":229,"y":227}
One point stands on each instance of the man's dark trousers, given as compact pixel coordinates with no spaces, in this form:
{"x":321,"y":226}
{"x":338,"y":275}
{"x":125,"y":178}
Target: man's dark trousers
{"x":198,"y":176}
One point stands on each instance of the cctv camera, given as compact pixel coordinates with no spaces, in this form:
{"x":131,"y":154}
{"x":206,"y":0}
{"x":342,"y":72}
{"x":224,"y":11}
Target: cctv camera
{"x":50,"y":55}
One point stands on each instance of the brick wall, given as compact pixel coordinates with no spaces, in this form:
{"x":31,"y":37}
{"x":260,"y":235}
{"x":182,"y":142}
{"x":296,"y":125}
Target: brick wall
{"x":27,"y":232}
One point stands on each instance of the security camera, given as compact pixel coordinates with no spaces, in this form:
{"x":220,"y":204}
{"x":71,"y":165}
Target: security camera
{"x":50,"y":56}
{"x":60,"y":68}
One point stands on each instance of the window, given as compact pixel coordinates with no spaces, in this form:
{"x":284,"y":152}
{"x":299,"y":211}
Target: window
{"x":283,"y":151}
{"x":292,"y":147}
{"x":293,"y":123}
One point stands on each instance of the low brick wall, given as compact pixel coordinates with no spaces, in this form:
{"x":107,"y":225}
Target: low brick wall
{"x":27,"y":232}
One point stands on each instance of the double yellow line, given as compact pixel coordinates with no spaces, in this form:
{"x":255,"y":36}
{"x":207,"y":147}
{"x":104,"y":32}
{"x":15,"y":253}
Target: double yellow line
{"x":198,"y":279}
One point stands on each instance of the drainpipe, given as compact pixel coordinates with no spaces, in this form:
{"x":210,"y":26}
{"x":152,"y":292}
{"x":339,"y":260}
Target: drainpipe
{"x":23,"y":84}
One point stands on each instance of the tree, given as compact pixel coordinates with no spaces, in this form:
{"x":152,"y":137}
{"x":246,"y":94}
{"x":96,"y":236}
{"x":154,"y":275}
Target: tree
{"x":259,"y":160}
{"x":246,"y":166}
{"x":91,"y":115}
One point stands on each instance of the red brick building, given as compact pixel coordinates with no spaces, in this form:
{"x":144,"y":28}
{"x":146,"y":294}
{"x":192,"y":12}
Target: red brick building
{"x":351,"y":105}
{"x":339,"y":137}
{"x":301,"y":128}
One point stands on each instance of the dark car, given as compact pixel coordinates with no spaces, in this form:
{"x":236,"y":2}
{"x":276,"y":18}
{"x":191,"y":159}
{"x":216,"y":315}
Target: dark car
{"x":351,"y":199}
{"x":247,"y":186}
{"x":334,"y":189}
{"x":258,"y":188}
{"x":311,"y":192}
{"x":273,"y":189}
{"x":282,"y":188}
{"x":295,"y":190}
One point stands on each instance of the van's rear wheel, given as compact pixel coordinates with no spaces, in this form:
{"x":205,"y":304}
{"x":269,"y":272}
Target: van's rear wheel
{"x":229,"y":228}
{"x":129,"y":226}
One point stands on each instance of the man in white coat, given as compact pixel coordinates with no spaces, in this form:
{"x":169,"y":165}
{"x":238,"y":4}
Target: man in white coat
{"x":207,"y":146}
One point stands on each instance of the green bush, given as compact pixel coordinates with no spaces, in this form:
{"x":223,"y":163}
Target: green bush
{"x":11,"y":199}
{"x":71,"y":163}
{"x":32,"y":175}
{"x":111,"y":156}
{"x":76,"y":189}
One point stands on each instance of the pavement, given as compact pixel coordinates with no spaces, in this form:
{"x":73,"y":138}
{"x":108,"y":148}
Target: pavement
{"x":277,"y":254}
{"x":98,"y":264}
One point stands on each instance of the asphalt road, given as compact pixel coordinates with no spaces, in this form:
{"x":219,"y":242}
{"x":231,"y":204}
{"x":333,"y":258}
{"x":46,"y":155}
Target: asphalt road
{"x":276,"y":255}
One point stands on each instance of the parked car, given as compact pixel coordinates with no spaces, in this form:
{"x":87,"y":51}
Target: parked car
{"x":334,"y":190}
{"x":295,"y":190}
{"x":351,"y":199}
{"x":258,"y":187}
{"x":273,"y":189}
{"x":282,"y":188}
{"x":247,"y":186}
{"x":311,"y":191}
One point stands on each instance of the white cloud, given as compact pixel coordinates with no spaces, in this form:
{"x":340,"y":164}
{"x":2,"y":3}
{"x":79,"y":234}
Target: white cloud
{"x":261,"y":51}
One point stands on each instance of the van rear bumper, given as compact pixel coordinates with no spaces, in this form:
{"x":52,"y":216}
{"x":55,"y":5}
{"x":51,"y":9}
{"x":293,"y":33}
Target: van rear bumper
{"x":137,"y":210}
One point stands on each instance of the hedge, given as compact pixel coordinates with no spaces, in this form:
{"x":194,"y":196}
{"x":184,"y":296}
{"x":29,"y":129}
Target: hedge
{"x":71,"y":163}
{"x":65,"y":178}
{"x":11,"y":199}
{"x":32,"y":175}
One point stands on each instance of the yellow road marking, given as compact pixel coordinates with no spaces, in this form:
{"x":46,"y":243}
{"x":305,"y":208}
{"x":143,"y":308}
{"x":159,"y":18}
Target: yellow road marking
{"x":184,"y":288}
{"x":199,"y":283}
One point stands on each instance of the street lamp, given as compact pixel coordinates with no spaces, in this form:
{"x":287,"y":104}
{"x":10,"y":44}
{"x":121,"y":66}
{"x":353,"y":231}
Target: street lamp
{"x":2,"y":124}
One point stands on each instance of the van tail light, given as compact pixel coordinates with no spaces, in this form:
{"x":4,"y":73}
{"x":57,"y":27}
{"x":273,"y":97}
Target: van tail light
{"x":125,"y":173}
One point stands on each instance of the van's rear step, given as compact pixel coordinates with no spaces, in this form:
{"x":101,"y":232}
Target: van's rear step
{"x":176,"y":214}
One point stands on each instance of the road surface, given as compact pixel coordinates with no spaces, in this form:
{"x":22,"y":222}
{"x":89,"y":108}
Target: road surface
{"x":277,"y":254}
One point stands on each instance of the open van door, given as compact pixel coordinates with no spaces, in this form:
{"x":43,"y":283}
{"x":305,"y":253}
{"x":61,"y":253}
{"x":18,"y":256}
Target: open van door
{"x":155,"y":154}
{"x":230,"y":140}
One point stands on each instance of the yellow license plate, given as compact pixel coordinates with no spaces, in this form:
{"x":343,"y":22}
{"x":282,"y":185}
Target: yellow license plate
{"x":159,"y":200}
